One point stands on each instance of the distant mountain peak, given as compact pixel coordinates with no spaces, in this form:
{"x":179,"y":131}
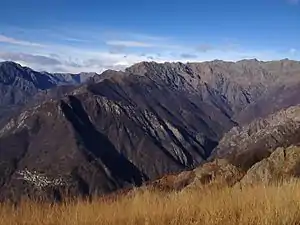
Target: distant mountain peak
{"x":20,"y":85}
{"x":10,"y":63}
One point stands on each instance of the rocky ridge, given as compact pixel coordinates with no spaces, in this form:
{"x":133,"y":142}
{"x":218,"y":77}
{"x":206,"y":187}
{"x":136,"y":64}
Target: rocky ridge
{"x":22,"y":86}
{"x":246,"y":145}
{"x":124,"y":128}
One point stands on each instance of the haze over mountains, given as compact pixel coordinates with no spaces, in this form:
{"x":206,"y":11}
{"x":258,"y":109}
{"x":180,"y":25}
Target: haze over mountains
{"x":120,"y":129}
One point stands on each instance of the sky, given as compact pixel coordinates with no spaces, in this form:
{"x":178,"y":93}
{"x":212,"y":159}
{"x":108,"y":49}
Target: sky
{"x":91,"y":36}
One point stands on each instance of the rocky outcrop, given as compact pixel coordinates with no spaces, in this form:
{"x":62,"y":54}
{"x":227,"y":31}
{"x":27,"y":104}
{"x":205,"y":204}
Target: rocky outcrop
{"x":282,"y":165}
{"x":215,"y":174}
{"x":244,"y":146}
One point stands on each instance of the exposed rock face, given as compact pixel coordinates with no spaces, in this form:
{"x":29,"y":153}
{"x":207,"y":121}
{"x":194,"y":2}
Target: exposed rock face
{"x":234,"y":86}
{"x":279,"y":97}
{"x":246,"y":145}
{"x":124,"y":128}
{"x":215,"y":174}
{"x":283,"y":164}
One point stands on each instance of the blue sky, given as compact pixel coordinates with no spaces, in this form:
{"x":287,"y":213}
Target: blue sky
{"x":74,"y":36}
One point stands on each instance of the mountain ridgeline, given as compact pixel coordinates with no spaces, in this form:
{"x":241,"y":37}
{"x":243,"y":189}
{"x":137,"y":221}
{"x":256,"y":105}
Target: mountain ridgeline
{"x":121,"y":129}
{"x":19,"y":85}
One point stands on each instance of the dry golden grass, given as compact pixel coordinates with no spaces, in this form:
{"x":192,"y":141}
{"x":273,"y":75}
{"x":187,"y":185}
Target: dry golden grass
{"x":274,"y":204}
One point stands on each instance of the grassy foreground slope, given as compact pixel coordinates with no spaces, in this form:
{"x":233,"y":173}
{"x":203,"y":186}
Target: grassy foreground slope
{"x":259,"y":204}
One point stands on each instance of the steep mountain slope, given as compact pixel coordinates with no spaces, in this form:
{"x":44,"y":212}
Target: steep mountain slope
{"x":280,"y":97}
{"x":264,"y":151}
{"x":19,"y":85}
{"x":231,"y":86}
{"x":124,"y":128}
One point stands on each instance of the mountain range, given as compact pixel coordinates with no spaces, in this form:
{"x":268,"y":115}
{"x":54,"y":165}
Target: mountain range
{"x":85,"y":134}
{"x":20,"y":85}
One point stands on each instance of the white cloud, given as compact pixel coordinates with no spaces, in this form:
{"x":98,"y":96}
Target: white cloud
{"x":117,"y":35}
{"x":29,"y":58}
{"x":129,"y":44}
{"x":10,"y":40}
{"x":74,"y":60}
{"x":142,"y":44}
{"x":75,"y":39}
{"x":100,"y":61}
{"x":87,"y":61}
{"x":88,"y":55}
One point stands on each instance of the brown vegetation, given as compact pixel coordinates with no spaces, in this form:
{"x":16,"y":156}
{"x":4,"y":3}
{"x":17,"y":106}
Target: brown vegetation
{"x":272,"y":204}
